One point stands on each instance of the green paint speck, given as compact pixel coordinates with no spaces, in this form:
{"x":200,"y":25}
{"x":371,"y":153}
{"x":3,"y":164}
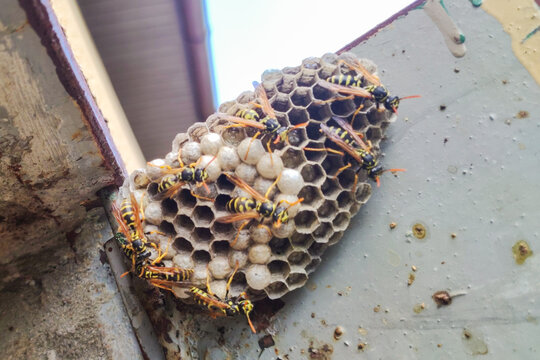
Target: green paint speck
{"x":476,"y":3}
{"x":443,"y":6}
{"x":461,"y":39}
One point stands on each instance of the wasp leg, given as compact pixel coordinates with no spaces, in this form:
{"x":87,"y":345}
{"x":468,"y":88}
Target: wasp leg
{"x":271,"y":186}
{"x":238,"y":233}
{"x":326,"y":149}
{"x":354,"y":184}
{"x":251,"y":142}
{"x":208,"y":288}
{"x":356,"y":113}
{"x":160,"y":257}
{"x":161,"y":286}
{"x":254,"y":104}
{"x":270,"y":152}
{"x":202,"y":197}
{"x":341,"y":169}
{"x":230,"y":280}
{"x":234,"y":125}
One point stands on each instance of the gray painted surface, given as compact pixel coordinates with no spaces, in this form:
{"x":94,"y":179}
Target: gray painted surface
{"x":481,"y":185}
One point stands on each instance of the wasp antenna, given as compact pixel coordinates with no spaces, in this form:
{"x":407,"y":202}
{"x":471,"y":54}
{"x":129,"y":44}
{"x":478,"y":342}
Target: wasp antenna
{"x":410,"y":97}
{"x":250,"y":324}
{"x":214,"y":158}
{"x":378,"y":181}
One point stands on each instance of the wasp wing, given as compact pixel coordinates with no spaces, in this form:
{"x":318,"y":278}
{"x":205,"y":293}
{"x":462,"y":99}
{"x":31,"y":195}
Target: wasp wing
{"x":227,"y":219}
{"x":265,"y":103}
{"x":342,"y":144}
{"x":356,"y":91}
{"x":346,"y":126}
{"x":243,"y":185}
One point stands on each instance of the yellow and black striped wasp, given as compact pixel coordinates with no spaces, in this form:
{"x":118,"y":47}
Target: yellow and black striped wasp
{"x":175,"y":178}
{"x":365,"y":85}
{"x":350,"y":141}
{"x":258,"y":206}
{"x":130,"y":237}
{"x":230,"y":306}
{"x":267,"y":125}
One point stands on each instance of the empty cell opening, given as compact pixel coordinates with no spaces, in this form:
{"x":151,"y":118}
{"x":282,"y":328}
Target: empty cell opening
{"x":297,"y":279}
{"x":220,"y":247}
{"x":313,"y":131}
{"x":286,"y":85}
{"x":328,"y":209}
{"x":203,"y":215}
{"x":279,"y":246}
{"x":299,"y":258}
{"x":301,"y":97}
{"x":222,"y":230}
{"x":169,"y":207}
{"x":221,"y":202}
{"x":313,"y":265}
{"x":319,"y":112}
{"x":374,"y":133}
{"x":186,"y":199}
{"x":375,"y":117}
{"x":184,"y":222}
{"x":224,"y":184}
{"x":233,"y":136}
{"x":297,"y":136}
{"x":346,"y":178}
{"x":363,"y":192}
{"x":332,"y":164}
{"x":202,"y":235}
{"x":307,"y":77}
{"x":322,"y":93}
{"x":238,"y":284}
{"x":343,"y":107}
{"x":345,"y":200}
{"x":201,"y":256}
{"x":312,"y":172}
{"x":292,"y":158}
{"x":292,"y":70}
{"x":167,"y":228}
{"x":317,"y":249}
{"x":305,"y":219}
{"x":311,"y":195}
{"x":279,"y":268}
{"x":281,"y":103}
{"x":315,"y":155}
{"x":341,"y":221}
{"x":182,"y":245}
{"x":322,"y":233}
{"x":301,"y":240}
{"x":335,"y":238}
{"x":276,"y":289}
{"x":330,"y":187}
{"x":298,"y":116}
{"x":152,"y":189}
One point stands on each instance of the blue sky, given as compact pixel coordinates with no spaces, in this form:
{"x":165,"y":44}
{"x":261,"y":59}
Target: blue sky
{"x":250,"y":36}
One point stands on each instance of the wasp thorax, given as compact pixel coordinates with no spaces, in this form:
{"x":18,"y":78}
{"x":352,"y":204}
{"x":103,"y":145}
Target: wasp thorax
{"x":200,"y":175}
{"x":265,"y":208}
{"x":380,"y":93}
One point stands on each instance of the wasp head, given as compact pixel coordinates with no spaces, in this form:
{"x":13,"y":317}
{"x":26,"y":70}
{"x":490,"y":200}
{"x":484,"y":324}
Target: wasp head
{"x":265,"y":208}
{"x":201,"y":175}
{"x":281,"y":134}
{"x":392,"y":103}
{"x":280,"y":215}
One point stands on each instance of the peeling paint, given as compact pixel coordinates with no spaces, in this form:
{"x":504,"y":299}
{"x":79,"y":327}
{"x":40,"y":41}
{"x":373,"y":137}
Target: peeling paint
{"x":521,"y":20}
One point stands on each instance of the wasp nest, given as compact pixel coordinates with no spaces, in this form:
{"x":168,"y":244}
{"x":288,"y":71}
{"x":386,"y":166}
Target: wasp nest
{"x":273,"y":262}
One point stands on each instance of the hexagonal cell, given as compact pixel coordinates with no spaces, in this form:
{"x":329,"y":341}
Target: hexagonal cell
{"x":281,"y":102}
{"x":184,"y":222}
{"x":330,"y":188}
{"x":346,"y":178}
{"x":221,"y":202}
{"x":355,"y":207}
{"x":312,"y":196}
{"x":293,"y":70}
{"x":306,"y":221}
{"x":296,"y":137}
{"x":292,"y":158}
{"x":374,"y":133}
{"x":307,"y":77}
{"x":224,"y":185}
{"x":287,"y":84}
{"x":341,"y":221}
{"x":279,"y":246}
{"x":167,"y":228}
{"x":279,"y":269}
{"x":313,"y":173}
{"x":203,"y":215}
{"x":345,"y":200}
{"x":375,"y":117}
{"x":222,"y":230}
{"x":317,"y":249}
{"x":276,"y":290}
{"x":296,"y":280}
{"x":186,"y":201}
{"x":335,"y":238}
{"x":332,"y":163}
{"x":202,"y":234}
{"x":298,"y":116}
{"x":201,"y":257}
{"x":319,"y":111}
{"x":301,"y":96}
{"x":169,"y":207}
{"x":220,"y":247}
{"x":323,"y":232}
{"x":183,"y":245}
{"x":231,"y":136}
{"x":197,"y":131}
{"x":238,"y":284}
{"x":313,"y":265}
{"x":313,"y":131}
{"x":311,"y":63}
{"x":343,"y":108}
{"x":363,"y":192}
{"x":152,"y":190}
{"x":327,"y":210}
{"x":299,"y":258}
{"x":301,"y":241}
{"x":313,"y":155}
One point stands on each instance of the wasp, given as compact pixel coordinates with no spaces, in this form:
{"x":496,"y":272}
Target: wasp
{"x":131,"y":239}
{"x":257,"y":206}
{"x":230,"y":306}
{"x":365,"y":85}
{"x":350,"y":141}
{"x":266,"y":125}
{"x":191,"y":174}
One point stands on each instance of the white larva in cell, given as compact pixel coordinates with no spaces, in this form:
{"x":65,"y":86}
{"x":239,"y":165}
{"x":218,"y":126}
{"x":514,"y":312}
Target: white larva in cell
{"x":246,"y":172}
{"x":171,"y":159}
{"x":259,"y":254}
{"x":183,"y":261}
{"x":258,"y":276}
{"x":256,"y":151}
{"x":153,"y":213}
{"x":260,"y":234}
{"x":270,"y":166}
{"x":287,"y":201}
{"x":237,"y":256}
{"x":139,"y":178}
{"x":285,"y":230}
{"x":219,"y":288}
{"x":261,"y":185}
{"x":228,"y":158}
{"x":243,"y":241}
{"x":171,"y":251}
{"x":219,"y":267}
{"x":154,"y":170}
{"x":290,"y":182}
{"x":211,"y":143}
{"x":191,"y":152}
{"x":199,"y":273}
{"x":212,"y":167}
